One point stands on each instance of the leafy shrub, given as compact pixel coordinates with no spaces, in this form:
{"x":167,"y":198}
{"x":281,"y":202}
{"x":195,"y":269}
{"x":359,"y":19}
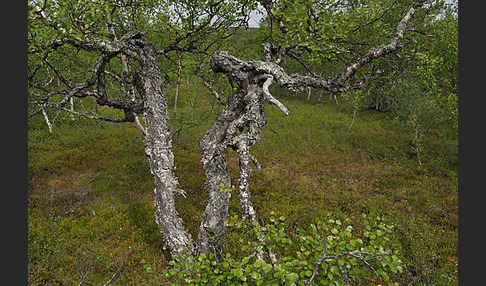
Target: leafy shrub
{"x":329,"y":252}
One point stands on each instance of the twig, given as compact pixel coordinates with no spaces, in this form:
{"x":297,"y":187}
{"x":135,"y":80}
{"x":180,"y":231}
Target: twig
{"x":96,"y":117}
{"x":139,"y":125}
{"x":377,"y":18}
{"x":125,"y":258}
{"x":354,"y":116}
{"x":254,"y":160}
{"x":337,"y":256}
{"x":317,"y":265}
{"x":212,"y":90}
{"x":112,"y":277}
{"x":46,"y":118}
{"x":343,"y":273}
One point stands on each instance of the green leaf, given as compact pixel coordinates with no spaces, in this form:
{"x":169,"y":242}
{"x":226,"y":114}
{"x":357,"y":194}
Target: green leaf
{"x":334,"y":269}
{"x":267,"y":268}
{"x":256,"y":275}
{"x":292,"y":277}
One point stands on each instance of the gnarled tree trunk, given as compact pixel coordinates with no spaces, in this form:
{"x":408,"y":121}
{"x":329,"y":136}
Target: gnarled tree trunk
{"x":238,"y":127}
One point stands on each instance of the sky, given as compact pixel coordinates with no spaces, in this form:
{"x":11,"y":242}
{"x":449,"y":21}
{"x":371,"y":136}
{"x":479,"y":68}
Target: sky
{"x":256,"y":16}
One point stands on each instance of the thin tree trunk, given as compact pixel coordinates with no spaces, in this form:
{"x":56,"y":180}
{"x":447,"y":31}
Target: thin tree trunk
{"x":213,"y":153}
{"x":71,"y":101}
{"x":352,"y":122}
{"x":178,"y":84}
{"x":228,"y":132}
{"x":44,"y":113}
{"x":130,"y":91}
{"x":418,"y":142}
{"x":333,"y":95}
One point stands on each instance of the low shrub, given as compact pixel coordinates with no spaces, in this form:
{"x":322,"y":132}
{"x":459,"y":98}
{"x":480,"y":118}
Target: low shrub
{"x":328,"y":252}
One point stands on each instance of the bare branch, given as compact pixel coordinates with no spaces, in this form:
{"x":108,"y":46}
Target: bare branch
{"x":34,"y":113}
{"x":317,"y":265}
{"x":58,"y":74}
{"x":384,"y":49}
{"x":120,"y":268}
{"x":96,"y":117}
{"x":207,"y":84}
{"x":213,"y":91}
{"x":269,"y":96}
{"x":343,"y":273}
{"x":140,"y":126}
{"x":115,"y":76}
{"x":255,"y":161}
{"x":46,"y":118}
{"x":237,"y":69}
{"x":355,"y":254}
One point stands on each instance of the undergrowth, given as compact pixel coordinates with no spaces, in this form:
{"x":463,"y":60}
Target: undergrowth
{"x":90,"y":211}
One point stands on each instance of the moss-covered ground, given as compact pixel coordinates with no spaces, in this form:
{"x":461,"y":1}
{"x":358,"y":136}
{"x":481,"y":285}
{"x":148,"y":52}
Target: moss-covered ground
{"x":90,"y":206}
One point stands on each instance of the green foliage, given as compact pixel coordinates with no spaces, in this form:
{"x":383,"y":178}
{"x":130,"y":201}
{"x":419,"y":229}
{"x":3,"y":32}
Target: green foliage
{"x":329,"y":247}
{"x":172,"y":27}
{"x":311,"y":160}
{"x":425,"y":70}
{"x":336,"y":33}
{"x":419,"y":85}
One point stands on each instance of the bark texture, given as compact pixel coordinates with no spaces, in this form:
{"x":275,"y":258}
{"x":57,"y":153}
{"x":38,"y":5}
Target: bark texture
{"x":158,"y":148}
{"x":238,"y":127}
{"x":240,"y":124}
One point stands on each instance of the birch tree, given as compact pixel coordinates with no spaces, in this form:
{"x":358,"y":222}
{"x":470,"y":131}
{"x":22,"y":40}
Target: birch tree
{"x":240,"y":124}
{"x":116,"y":46}
{"x":92,"y":38}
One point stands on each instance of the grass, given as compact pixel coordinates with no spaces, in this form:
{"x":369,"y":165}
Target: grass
{"x":90,"y":211}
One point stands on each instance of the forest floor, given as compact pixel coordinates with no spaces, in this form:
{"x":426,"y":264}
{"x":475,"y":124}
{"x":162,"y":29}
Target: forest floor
{"x":90,"y":191}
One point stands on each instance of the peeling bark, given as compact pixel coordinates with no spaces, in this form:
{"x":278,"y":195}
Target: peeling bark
{"x":241,"y":122}
{"x":213,"y":152}
{"x":158,"y":148}
{"x":238,"y":127}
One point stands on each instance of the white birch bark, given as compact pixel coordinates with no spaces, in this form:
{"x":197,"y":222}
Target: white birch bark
{"x":46,"y":118}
